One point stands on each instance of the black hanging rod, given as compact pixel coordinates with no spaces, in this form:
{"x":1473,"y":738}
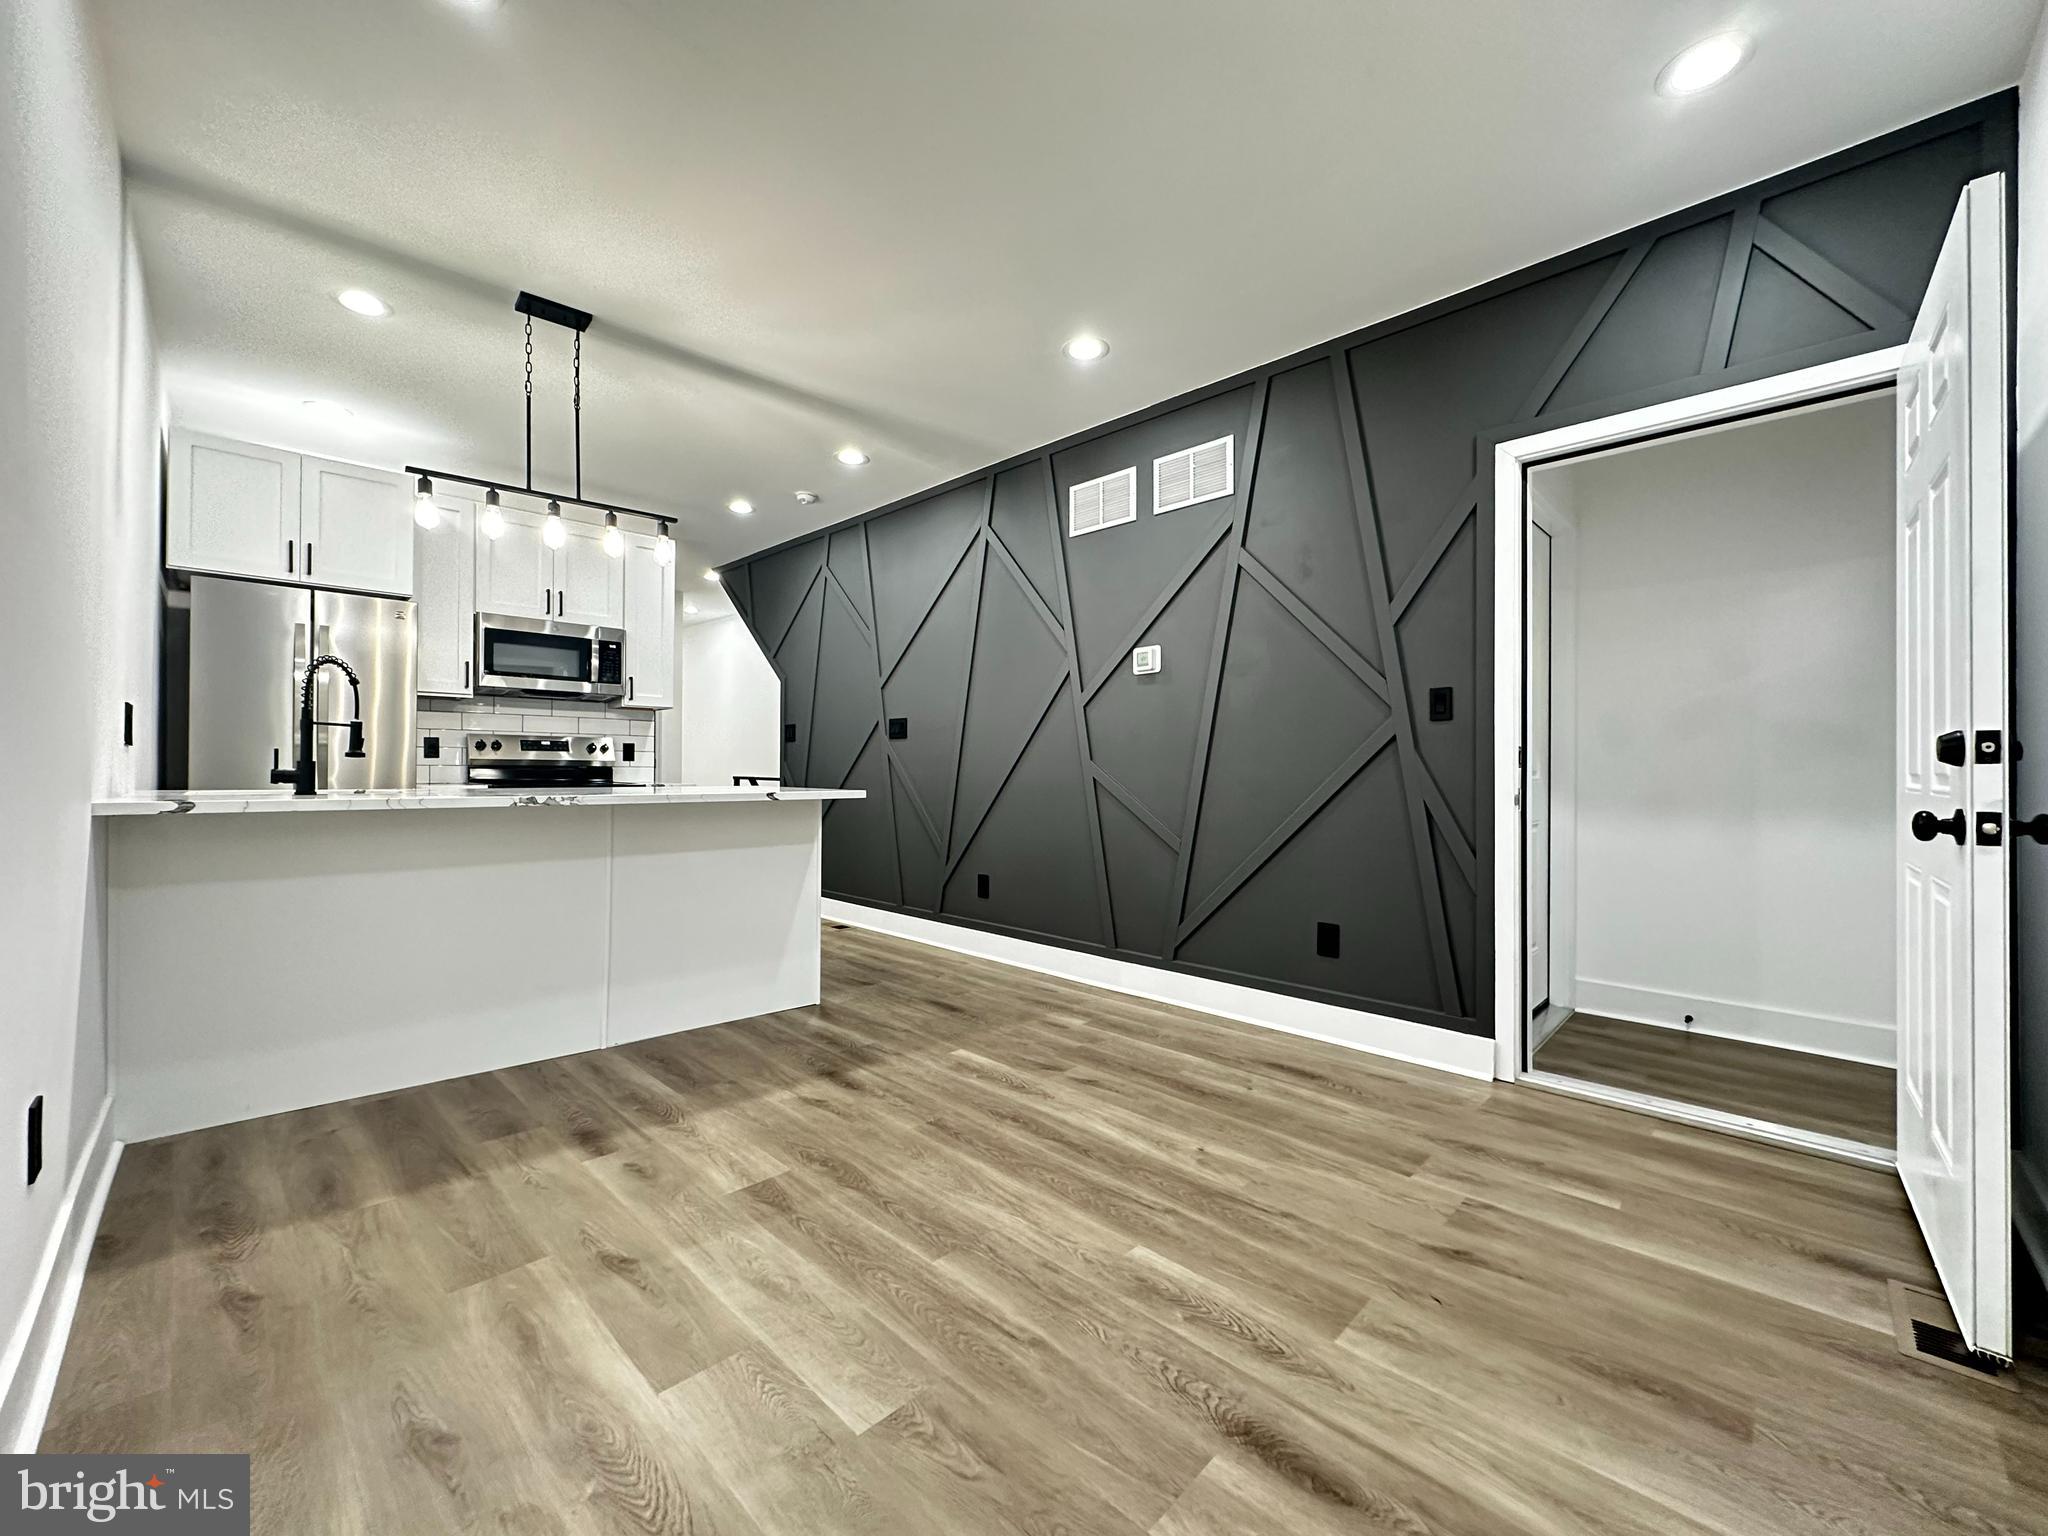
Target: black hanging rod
{"x":506,"y":487}
{"x":553,"y":312}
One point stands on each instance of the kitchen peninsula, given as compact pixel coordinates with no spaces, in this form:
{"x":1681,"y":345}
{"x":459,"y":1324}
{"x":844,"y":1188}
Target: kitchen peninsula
{"x":267,"y":952}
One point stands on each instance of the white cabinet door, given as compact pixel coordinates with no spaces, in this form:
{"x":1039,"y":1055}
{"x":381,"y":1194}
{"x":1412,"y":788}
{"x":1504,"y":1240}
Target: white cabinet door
{"x":355,"y":528}
{"x":444,"y":572}
{"x":233,"y":509}
{"x":515,"y":572}
{"x":650,"y":626}
{"x":590,"y":586}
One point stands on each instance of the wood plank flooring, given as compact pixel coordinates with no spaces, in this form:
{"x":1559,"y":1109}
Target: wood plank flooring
{"x":967,"y":1250}
{"x":1817,"y":1093}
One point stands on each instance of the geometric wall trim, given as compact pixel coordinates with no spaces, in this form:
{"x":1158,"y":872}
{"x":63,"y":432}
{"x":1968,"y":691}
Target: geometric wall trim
{"x":1283,"y":774}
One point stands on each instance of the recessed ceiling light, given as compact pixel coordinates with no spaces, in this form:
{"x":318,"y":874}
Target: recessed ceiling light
{"x":739,"y":506}
{"x":851,"y":457}
{"x":360,"y":301}
{"x":326,"y":410}
{"x":476,"y":5}
{"x":807,"y":498}
{"x":1706,"y":63}
{"x":712,"y":577}
{"x":1085,"y":348}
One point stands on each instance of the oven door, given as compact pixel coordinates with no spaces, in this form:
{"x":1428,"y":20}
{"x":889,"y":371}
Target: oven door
{"x":540,"y":656}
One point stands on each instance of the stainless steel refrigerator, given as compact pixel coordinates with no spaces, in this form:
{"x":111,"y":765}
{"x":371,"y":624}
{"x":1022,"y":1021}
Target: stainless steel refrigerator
{"x":250,"y":642}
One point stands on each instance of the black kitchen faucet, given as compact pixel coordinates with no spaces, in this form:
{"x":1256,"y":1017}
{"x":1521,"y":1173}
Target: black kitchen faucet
{"x":300,"y":774}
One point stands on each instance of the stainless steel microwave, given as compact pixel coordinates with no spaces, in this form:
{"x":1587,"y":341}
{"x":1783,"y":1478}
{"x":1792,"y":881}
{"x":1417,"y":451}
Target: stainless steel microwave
{"x":548,"y":656}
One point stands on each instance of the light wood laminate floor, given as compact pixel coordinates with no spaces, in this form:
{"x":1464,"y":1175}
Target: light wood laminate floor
{"x":1817,"y":1093}
{"x":967,"y":1250}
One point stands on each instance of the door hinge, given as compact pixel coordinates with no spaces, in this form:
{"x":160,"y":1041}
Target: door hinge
{"x":1990,"y":747}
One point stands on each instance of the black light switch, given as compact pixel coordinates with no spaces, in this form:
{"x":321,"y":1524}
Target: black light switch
{"x":981,"y":886}
{"x":1439,"y":703}
{"x":789,"y":731}
{"x":35,"y":1138}
{"x":899,"y":727}
{"x":431,"y":747}
{"x":1326,"y":940}
{"x":626,"y":751}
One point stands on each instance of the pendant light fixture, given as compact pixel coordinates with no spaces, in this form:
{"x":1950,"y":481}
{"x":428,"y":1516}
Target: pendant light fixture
{"x":493,"y":520}
{"x":424,"y":512}
{"x":554,"y":531}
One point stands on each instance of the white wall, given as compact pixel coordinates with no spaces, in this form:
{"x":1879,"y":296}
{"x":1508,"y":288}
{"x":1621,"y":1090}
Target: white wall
{"x":2030,"y":652}
{"x":80,"y":415}
{"x":1733,"y":673}
{"x":729,"y":704}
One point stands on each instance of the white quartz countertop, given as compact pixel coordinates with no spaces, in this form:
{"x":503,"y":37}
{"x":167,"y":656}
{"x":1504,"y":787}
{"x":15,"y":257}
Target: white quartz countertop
{"x":450,"y":797}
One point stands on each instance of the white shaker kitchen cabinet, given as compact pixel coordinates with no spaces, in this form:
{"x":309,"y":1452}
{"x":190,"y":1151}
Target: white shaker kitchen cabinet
{"x":515,"y":572}
{"x":355,"y":528}
{"x":444,"y":577}
{"x":590,"y":586}
{"x":650,"y":626}
{"x":233,"y":509}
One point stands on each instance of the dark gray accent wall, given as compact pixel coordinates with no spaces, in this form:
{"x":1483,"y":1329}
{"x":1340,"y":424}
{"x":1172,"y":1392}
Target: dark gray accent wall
{"x":1284,"y":770}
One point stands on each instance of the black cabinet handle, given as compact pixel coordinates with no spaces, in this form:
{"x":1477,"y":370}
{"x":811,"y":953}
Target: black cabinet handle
{"x":309,"y":557}
{"x":465,"y":675}
{"x":289,"y":546}
{"x":629,"y":690}
{"x":1927,"y":826}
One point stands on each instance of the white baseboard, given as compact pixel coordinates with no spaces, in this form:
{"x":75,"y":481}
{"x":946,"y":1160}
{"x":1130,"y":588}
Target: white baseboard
{"x":28,"y":1375}
{"x":1422,"y":1044}
{"x":1816,"y":1034}
{"x":2030,"y":1209}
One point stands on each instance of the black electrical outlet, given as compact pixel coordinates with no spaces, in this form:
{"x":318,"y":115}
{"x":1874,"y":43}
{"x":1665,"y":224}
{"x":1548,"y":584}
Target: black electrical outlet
{"x":128,"y":725}
{"x":789,"y":731}
{"x":981,"y":886}
{"x":899,"y":727}
{"x":1439,"y":703}
{"x":1326,"y":940}
{"x":431,"y":747}
{"x":35,"y":1138}
{"x":626,"y":751}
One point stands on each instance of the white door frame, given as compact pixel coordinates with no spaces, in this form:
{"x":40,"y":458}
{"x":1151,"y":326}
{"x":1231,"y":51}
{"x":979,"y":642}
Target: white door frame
{"x":1720,"y":408}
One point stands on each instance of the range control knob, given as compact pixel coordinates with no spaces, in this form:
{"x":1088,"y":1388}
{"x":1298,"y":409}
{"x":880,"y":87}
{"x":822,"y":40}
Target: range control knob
{"x":590,"y":746}
{"x":604,"y":746}
{"x":497,"y":746}
{"x":481,"y":744}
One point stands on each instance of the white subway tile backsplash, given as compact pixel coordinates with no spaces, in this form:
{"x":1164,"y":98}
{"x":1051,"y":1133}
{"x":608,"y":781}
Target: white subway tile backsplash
{"x":455,"y":721}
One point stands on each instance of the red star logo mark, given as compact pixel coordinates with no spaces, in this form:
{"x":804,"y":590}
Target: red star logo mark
{"x":155,"y":1481}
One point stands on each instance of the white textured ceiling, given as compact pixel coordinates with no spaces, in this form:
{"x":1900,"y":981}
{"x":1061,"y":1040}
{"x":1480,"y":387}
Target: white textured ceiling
{"x":804,"y":223}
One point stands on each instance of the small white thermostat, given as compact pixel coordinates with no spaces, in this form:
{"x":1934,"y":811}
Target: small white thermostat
{"x":1145,"y":659}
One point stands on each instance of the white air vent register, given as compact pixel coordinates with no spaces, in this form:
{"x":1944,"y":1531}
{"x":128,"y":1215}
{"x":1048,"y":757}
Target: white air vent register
{"x":1103,"y":503}
{"x":1194,"y":475}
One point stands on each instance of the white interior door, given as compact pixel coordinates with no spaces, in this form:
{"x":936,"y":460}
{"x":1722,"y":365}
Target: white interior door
{"x":1536,"y":865}
{"x":1953,"y":740}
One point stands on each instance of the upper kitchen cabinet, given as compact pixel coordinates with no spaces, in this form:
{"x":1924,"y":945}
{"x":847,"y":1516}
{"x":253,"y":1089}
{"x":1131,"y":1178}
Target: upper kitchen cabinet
{"x":355,"y":526}
{"x":242,"y":509}
{"x":515,"y":572}
{"x":589,"y":584}
{"x":650,"y":625}
{"x":444,"y":571}
{"x":233,"y":509}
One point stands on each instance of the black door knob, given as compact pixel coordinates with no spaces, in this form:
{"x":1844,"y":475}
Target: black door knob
{"x":1927,"y":826}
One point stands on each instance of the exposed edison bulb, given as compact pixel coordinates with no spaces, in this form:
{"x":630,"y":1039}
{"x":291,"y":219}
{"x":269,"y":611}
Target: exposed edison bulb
{"x":424,"y":512}
{"x":664,"y":547}
{"x":493,"y":520}
{"x":553,"y":532}
{"x":614,"y":541}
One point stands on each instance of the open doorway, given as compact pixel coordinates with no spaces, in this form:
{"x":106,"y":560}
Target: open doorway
{"x":1712,"y":668}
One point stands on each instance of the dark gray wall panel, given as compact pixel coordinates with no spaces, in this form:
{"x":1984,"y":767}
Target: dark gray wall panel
{"x":1353,"y":865}
{"x":1287,"y":715}
{"x":843,"y":714}
{"x":928,"y":690}
{"x":1115,"y":575}
{"x":738,"y":581}
{"x":1425,"y":392}
{"x":858,"y":860}
{"x":910,"y":556}
{"x":1035,"y":844}
{"x":1438,"y":643}
{"x":1310,"y":792}
{"x":1017,"y":661}
{"x":780,"y":582}
{"x":1781,"y":309}
{"x":1141,"y":730}
{"x":1303,"y":521}
{"x":797,"y":662}
{"x":1140,"y":879}
{"x":1657,"y":329}
{"x":848,"y":558}
{"x":1022,"y":519}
